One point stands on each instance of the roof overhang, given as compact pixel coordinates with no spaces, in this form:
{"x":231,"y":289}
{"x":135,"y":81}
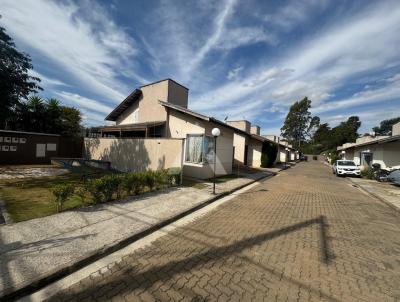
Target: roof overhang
{"x":129,"y":100}
{"x":378,"y":142}
{"x":202,"y":117}
{"x":129,"y":127}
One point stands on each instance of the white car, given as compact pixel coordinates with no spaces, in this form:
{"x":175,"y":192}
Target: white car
{"x":345,"y":167}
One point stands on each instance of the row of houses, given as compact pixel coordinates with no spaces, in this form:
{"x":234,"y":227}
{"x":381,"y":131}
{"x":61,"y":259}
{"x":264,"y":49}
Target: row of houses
{"x":370,"y":149}
{"x":155,"y":129}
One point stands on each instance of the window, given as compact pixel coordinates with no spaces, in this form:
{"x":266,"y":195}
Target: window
{"x":51,"y":147}
{"x":199,"y":149}
{"x":40,"y":150}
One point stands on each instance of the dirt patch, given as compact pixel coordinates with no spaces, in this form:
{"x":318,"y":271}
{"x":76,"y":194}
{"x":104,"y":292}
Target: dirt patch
{"x":9,"y":173}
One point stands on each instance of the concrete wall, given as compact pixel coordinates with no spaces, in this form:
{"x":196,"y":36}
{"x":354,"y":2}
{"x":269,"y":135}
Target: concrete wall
{"x":242,"y":125}
{"x":135,"y":155}
{"x":254,"y":157}
{"x":129,"y":116}
{"x":255,"y":129}
{"x":180,"y":125}
{"x":149,"y":109}
{"x":387,"y":155}
{"x":396,"y":129}
{"x":177,"y":94}
{"x":239,"y":142}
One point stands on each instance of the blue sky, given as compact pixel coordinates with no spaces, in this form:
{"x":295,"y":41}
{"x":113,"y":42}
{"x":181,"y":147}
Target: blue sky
{"x":241,"y":59}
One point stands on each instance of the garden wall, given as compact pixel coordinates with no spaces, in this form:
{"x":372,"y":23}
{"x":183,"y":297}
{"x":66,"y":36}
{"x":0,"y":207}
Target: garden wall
{"x":135,"y":154}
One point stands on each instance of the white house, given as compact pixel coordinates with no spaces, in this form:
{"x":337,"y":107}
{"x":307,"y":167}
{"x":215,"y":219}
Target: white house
{"x":368,"y":150}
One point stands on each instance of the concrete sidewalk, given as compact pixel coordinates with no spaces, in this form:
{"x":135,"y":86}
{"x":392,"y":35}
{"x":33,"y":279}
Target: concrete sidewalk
{"x":37,"y":249}
{"x":386,"y":192}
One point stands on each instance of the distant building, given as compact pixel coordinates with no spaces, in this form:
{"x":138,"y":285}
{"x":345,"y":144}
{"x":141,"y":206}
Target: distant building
{"x":368,"y":150}
{"x":19,"y":147}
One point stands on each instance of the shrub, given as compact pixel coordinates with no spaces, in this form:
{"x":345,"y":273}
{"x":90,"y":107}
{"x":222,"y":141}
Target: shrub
{"x":161,"y":178}
{"x":111,"y":185}
{"x":94,"y":187}
{"x":61,"y":193}
{"x":268,"y":154}
{"x":81,"y":193}
{"x":368,"y":172}
{"x":133,"y":183}
{"x":174,"y":176}
{"x":149,"y":179}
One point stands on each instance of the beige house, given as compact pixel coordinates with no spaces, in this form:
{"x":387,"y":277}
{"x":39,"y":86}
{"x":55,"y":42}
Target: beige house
{"x":286,"y":152}
{"x":247,"y":143}
{"x":368,"y":150}
{"x":159,"y":110}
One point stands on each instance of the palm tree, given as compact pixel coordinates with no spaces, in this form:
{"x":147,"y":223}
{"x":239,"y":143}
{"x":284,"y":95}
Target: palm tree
{"x":53,"y":114}
{"x":37,"y":111}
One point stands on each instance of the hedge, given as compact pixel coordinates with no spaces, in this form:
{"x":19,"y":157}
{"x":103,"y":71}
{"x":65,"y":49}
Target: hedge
{"x":114,"y":186}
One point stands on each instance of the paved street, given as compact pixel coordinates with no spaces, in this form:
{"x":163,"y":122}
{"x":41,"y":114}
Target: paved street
{"x":304,"y":235}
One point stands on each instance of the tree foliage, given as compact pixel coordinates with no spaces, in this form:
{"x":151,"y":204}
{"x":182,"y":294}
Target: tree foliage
{"x":47,"y":116}
{"x":269,"y":152}
{"x":326,"y":138}
{"x":19,"y":109}
{"x":385,"y":126}
{"x":15,"y":82}
{"x":299,"y":124}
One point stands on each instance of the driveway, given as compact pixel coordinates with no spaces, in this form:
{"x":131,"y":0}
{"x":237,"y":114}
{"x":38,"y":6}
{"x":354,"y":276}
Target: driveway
{"x":304,"y":235}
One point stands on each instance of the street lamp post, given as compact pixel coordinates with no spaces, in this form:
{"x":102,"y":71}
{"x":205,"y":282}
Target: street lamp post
{"x":215,"y":132}
{"x":286,"y":156}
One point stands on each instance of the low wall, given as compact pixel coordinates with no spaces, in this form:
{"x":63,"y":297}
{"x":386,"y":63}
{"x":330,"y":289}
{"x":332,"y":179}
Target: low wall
{"x":135,"y":155}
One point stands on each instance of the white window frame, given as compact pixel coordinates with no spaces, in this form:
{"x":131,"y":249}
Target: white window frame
{"x":203,"y":154}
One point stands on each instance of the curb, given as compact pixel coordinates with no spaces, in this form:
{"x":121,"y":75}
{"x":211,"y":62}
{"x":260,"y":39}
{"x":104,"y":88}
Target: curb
{"x":387,"y":203}
{"x":4,"y":216}
{"x":65,"y":271}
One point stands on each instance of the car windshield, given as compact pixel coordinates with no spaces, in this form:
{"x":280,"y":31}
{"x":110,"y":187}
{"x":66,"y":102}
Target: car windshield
{"x":346,"y":163}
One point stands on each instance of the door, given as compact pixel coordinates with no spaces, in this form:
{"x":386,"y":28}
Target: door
{"x":366,"y":159}
{"x":246,"y":150}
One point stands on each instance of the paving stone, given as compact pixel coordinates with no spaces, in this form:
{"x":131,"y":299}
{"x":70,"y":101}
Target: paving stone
{"x":302,"y":236}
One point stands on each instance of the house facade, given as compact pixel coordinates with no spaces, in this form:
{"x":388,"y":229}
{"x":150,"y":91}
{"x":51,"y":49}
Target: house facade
{"x":159,"y":110}
{"x":369,"y":150}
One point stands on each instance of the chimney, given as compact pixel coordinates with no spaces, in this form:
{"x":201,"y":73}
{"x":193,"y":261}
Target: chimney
{"x":242,"y":125}
{"x":396,"y":129}
{"x":255,"y":129}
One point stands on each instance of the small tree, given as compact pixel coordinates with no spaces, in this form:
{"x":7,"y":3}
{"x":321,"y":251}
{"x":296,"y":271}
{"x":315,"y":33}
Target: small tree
{"x":268,"y":154}
{"x":62,"y":192}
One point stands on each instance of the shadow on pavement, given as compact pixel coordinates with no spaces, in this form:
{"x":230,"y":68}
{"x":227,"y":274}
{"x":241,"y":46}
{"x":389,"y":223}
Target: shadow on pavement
{"x":213,"y":254}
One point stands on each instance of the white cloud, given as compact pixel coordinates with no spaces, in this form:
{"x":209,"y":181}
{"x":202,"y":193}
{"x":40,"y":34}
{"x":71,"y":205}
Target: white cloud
{"x":390,"y":92}
{"x":233,"y":73}
{"x":295,"y":12}
{"x":84,"y":102}
{"x":46,"y":81}
{"x":365,"y":43}
{"x":82,"y":41}
{"x":236,"y":37}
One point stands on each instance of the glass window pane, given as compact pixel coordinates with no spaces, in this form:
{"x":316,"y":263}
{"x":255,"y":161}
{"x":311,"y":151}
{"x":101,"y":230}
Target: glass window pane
{"x":194,"y":148}
{"x":209,"y":149}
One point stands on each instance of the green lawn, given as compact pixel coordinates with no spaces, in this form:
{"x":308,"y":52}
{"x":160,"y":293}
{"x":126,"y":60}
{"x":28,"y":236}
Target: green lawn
{"x":28,"y":198}
{"x":224,"y":178}
{"x":194,"y":184}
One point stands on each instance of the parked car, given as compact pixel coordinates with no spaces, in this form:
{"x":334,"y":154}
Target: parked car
{"x":345,"y":167}
{"x":380,"y":174}
{"x":394,"y":177}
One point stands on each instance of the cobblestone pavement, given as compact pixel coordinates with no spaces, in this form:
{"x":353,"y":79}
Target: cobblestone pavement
{"x":304,"y":235}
